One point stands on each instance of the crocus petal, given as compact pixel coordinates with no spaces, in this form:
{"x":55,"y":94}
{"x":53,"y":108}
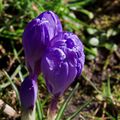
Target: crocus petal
{"x":53,"y":19}
{"x":72,"y":46}
{"x":36,"y":37}
{"x":28,"y":93}
{"x":63,"y":62}
{"x":55,"y":72}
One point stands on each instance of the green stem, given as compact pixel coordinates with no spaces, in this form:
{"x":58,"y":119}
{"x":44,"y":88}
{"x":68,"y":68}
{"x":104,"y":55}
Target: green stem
{"x":52,"y":110}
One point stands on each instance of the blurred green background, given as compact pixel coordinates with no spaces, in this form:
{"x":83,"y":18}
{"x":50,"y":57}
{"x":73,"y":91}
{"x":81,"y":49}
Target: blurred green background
{"x":97,"y":23}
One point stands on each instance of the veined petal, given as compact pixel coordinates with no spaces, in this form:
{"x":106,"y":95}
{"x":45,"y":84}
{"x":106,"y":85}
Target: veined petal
{"x":63,"y":62}
{"x":37,"y":36}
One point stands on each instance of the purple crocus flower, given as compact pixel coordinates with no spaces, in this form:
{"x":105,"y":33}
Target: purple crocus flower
{"x":58,"y":55}
{"x":63,"y":62}
{"x":36,"y":36}
{"x":28,"y":93}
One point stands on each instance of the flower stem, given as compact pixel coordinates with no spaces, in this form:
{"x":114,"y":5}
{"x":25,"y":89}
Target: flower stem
{"x":28,"y":114}
{"x":52,"y":110}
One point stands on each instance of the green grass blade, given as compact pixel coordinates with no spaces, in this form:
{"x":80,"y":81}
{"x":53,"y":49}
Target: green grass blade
{"x":86,"y":12}
{"x":39,"y":110}
{"x":81,"y":23}
{"x":16,"y":72}
{"x":91,"y":83}
{"x":79,"y":4}
{"x":12,"y":76}
{"x":4,"y":85}
{"x":109,"y":89}
{"x":1,"y":6}
{"x":13,"y":85}
{"x":21,"y":76}
{"x":64,"y":105}
{"x":77,"y":111}
{"x":89,"y":51}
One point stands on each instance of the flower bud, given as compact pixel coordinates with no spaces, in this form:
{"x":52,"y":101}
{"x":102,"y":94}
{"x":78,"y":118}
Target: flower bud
{"x":62,"y":62}
{"x":28,"y":93}
{"x":36,"y":37}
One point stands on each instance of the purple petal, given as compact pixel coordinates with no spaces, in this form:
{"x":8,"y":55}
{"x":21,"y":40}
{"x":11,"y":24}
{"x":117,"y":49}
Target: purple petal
{"x":28,"y":93}
{"x":53,"y":19}
{"x":63,"y":62}
{"x":36,"y":37}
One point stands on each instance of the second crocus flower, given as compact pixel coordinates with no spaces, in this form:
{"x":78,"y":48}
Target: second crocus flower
{"x":63,"y":62}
